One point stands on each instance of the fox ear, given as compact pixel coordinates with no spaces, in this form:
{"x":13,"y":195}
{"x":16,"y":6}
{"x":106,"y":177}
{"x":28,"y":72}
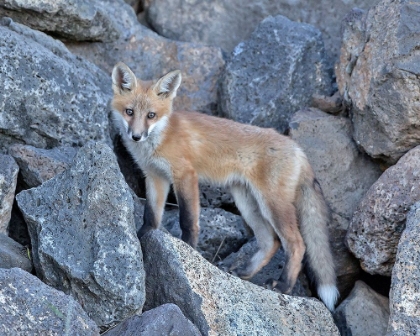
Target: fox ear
{"x":167,"y":85}
{"x":123,"y":79}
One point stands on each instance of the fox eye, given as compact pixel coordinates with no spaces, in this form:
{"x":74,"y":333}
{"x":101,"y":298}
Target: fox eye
{"x":151,"y":115}
{"x":129,"y":112}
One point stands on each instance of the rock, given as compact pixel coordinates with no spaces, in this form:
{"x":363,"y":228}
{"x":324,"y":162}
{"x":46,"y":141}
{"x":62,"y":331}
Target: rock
{"x":333,"y":104}
{"x":8,"y":180}
{"x":363,"y":312}
{"x":83,"y":235}
{"x":164,"y":320}
{"x":221,"y":232}
{"x":208,"y":22}
{"x":215,"y":197}
{"x":274,"y":73}
{"x":404,"y":297}
{"x":272,"y":270}
{"x":12,"y":254}
{"x":379,"y":219}
{"x":378,"y":76}
{"x":79,"y":20}
{"x":51,"y":97}
{"x":29,"y":307}
{"x":345,"y":176}
{"x":39,"y":165}
{"x":150,"y":56}
{"x":221,"y":304}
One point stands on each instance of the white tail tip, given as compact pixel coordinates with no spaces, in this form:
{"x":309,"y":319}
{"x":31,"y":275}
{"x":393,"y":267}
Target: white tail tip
{"x":329,"y":295}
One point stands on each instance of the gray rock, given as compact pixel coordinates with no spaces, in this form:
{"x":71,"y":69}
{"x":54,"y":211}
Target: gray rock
{"x":79,"y":20}
{"x":220,"y":304}
{"x":8,"y":179}
{"x":225,"y":23}
{"x":274,"y":73}
{"x":345,"y":176}
{"x":164,"y":320}
{"x":12,"y":254}
{"x":39,"y":165}
{"x":221,"y":232}
{"x":83,"y":235}
{"x":379,"y":219}
{"x":272,"y":270}
{"x":378,"y":76}
{"x":364,"y":312}
{"x":404,"y":294}
{"x":29,"y":307}
{"x":150,"y":56}
{"x":49,"y":97}
{"x":215,"y":197}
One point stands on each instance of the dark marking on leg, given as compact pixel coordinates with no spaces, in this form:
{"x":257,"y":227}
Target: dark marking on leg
{"x":149,"y":221}
{"x":187,"y":221}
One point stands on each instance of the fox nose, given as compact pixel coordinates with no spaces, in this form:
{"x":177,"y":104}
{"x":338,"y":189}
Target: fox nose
{"x":136,"y":137}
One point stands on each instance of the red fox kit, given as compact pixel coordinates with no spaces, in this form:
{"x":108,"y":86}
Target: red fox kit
{"x":268,"y":174}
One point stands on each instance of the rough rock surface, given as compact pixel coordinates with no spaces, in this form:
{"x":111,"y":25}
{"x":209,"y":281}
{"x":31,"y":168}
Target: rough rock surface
{"x":220,"y":304}
{"x":8,"y":179}
{"x":83,"y":235}
{"x":164,"y":320}
{"x":344,"y":173}
{"x":274,"y":73}
{"x":272,"y":270}
{"x":51,"y":96}
{"x":405,"y":283}
{"x":363,"y":312}
{"x":378,"y":75}
{"x":81,"y":20}
{"x":29,"y":307}
{"x":150,"y":56}
{"x":221,"y":232}
{"x":12,"y":254}
{"x":208,"y":22}
{"x":39,"y":165}
{"x":215,"y":197}
{"x":379,"y":219}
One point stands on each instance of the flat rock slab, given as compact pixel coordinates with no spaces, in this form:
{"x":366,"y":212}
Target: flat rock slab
{"x":80,"y":20}
{"x":363,"y":312}
{"x":8,"y":179}
{"x":274,"y":73}
{"x":220,"y":304}
{"x":164,"y":320}
{"x":30,"y":307}
{"x":83,"y":235}
{"x":221,"y":232}
{"x":405,"y":283}
{"x":51,"y":97}
{"x":380,"y":218}
{"x":12,"y":254}
{"x":38,"y":165}
{"x":378,"y":76}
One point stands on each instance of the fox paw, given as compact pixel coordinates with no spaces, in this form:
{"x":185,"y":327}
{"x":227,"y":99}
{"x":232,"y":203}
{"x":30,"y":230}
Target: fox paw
{"x":278,"y":286}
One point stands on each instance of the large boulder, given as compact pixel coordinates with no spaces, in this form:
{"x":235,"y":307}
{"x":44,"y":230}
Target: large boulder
{"x":378,"y":75}
{"x":12,"y":254}
{"x":405,"y":283}
{"x":81,"y":20}
{"x":164,"y":320}
{"x":38,"y":165}
{"x":29,"y":307}
{"x":8,"y":179}
{"x":380,"y":218}
{"x":274,"y":73}
{"x":83,"y":235}
{"x":150,"y":56}
{"x":208,"y":22}
{"x":344,"y":173}
{"x":49,"y":96}
{"x":221,"y":232}
{"x":363,"y":312}
{"x":219,"y":303}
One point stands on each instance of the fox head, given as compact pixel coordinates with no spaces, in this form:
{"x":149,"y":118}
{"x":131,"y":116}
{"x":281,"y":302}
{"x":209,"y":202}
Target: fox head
{"x":142,"y":108}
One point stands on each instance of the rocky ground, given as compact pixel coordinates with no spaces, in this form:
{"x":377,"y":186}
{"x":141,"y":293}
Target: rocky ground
{"x":71,"y":198}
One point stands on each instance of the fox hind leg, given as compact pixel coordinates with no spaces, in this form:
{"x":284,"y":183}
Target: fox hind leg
{"x":267,"y":239}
